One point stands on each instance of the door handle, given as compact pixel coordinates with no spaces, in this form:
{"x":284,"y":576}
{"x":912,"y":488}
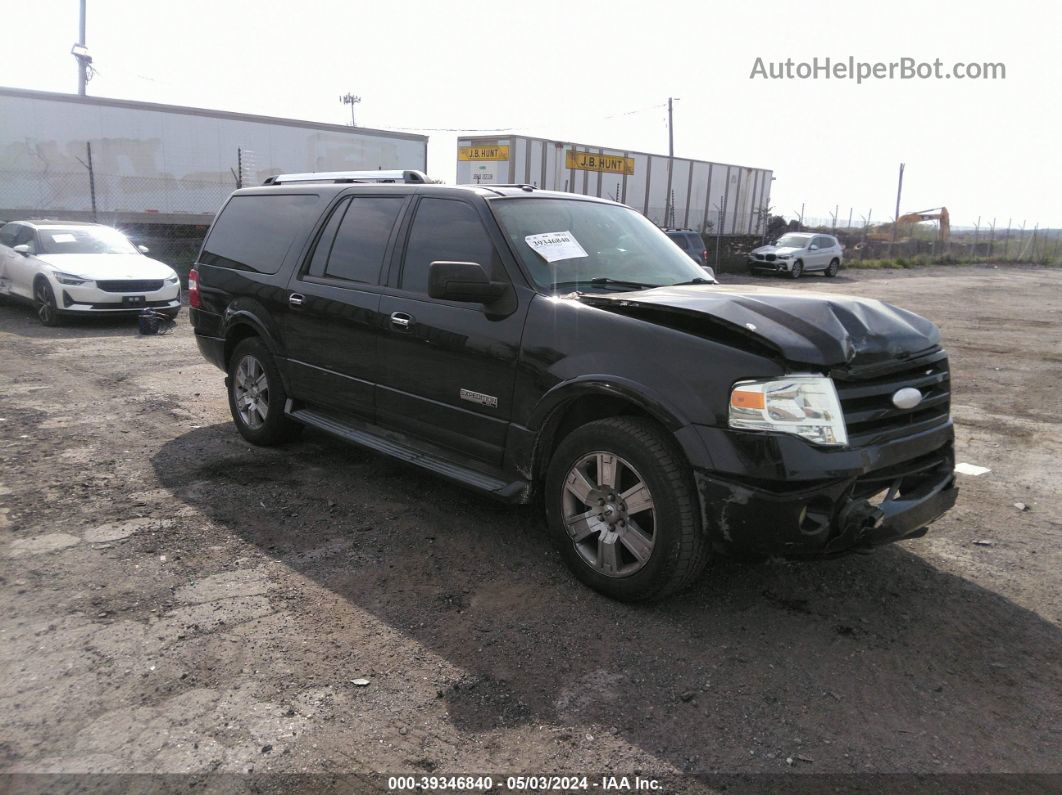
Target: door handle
{"x":295,"y":300}
{"x":401,"y":319}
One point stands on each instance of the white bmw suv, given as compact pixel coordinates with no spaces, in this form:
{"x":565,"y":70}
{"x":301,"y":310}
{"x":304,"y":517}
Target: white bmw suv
{"x":71,"y":268}
{"x":796,"y":253}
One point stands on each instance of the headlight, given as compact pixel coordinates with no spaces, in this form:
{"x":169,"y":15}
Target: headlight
{"x":804,"y":405}
{"x":783,"y":256}
{"x":69,"y":278}
{"x":172,"y":279}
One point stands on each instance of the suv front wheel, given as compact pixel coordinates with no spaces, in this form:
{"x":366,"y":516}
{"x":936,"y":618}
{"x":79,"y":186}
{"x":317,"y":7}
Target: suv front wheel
{"x":622,"y":512}
{"x":257,"y":396}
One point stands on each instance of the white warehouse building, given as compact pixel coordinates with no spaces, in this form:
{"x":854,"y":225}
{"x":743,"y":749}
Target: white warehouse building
{"x":73,"y":157}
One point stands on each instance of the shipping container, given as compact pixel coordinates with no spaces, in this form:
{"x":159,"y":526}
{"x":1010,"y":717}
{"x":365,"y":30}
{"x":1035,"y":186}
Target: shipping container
{"x":73,"y":157}
{"x":704,"y":196}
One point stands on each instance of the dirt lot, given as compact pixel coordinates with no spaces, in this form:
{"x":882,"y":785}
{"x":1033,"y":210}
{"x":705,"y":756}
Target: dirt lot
{"x":177,"y":600}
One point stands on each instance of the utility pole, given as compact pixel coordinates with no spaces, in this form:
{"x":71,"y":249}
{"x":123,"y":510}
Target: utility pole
{"x":352,"y":100}
{"x":896,"y":218}
{"x":670,"y":128}
{"x":80,"y":52}
{"x":670,"y":158}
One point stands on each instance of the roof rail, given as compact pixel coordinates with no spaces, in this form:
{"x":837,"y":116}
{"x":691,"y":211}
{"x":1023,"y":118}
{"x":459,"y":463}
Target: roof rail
{"x":407,"y":175}
{"x":522,"y":185}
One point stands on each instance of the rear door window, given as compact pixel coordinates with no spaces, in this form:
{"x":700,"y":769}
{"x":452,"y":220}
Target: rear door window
{"x":256,"y":232}
{"x":445,"y":230}
{"x":362,"y":237}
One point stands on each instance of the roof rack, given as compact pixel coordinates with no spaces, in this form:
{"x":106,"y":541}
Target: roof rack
{"x":407,"y":176}
{"x":522,"y":185}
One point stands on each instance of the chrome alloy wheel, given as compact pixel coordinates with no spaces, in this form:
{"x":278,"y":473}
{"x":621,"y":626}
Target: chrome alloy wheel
{"x":609,"y":514}
{"x":251,"y":392}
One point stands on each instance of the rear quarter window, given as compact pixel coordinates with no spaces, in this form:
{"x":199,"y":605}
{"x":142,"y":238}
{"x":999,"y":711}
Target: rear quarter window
{"x":256,"y":232}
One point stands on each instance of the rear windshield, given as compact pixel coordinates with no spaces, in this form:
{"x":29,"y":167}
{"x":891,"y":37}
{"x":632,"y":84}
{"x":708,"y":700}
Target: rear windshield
{"x":685,"y":240}
{"x":256,"y":232}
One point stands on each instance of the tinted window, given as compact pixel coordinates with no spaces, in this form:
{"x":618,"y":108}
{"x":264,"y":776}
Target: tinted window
{"x":360,"y":243}
{"x":679,"y":238}
{"x":328,"y":236}
{"x":8,"y":233}
{"x":256,"y":232}
{"x":445,"y":230}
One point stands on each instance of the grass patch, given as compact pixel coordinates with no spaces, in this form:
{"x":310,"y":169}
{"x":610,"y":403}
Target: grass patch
{"x":927,"y":260}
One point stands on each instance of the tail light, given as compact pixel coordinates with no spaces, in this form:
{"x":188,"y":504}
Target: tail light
{"x":193,"y":288}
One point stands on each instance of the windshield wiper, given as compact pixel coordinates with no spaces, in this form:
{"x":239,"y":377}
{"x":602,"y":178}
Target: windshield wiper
{"x":604,"y":281}
{"x":695,"y":280}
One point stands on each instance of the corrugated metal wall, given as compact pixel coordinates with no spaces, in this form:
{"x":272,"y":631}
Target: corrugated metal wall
{"x":162,"y":161}
{"x":705,"y":194}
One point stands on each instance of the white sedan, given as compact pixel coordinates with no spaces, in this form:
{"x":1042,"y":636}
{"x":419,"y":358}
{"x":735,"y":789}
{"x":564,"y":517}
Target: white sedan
{"x":71,"y":268}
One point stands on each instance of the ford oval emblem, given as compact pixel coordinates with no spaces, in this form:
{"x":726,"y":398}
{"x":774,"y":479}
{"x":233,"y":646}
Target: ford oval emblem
{"x":906,"y":398}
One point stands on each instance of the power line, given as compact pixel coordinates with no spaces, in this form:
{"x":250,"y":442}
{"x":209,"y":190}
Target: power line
{"x":514,"y":127}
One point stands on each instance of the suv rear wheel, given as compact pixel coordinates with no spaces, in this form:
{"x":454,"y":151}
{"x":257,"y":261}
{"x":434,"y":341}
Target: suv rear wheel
{"x":621,"y":510}
{"x":835,"y":265}
{"x":257,"y":397}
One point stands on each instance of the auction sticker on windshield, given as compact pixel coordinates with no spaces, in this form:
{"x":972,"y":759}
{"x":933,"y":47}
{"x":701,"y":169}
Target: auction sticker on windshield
{"x":554,"y":246}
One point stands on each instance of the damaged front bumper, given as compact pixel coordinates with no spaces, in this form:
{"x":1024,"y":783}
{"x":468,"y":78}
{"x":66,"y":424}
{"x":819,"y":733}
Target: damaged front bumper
{"x":867,"y":507}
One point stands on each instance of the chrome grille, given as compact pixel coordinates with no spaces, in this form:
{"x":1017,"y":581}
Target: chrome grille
{"x":869,"y":412}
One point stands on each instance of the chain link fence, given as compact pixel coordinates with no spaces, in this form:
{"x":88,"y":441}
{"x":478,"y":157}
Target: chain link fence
{"x":51,"y":192}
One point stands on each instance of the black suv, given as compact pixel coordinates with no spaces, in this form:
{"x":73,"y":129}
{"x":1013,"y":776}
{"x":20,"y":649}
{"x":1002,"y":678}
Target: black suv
{"x":524,"y":342}
{"x":690,"y":242}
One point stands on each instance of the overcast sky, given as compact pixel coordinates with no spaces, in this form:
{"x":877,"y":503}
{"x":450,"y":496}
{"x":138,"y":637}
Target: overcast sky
{"x":600,"y":74}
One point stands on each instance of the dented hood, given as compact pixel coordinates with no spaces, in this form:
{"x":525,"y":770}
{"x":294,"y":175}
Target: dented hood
{"x":803,"y":327}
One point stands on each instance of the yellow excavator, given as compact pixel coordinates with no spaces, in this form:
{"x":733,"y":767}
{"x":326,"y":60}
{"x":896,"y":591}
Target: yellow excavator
{"x":938,"y":214}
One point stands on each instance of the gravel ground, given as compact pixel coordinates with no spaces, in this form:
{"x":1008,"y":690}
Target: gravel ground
{"x":176,"y":600}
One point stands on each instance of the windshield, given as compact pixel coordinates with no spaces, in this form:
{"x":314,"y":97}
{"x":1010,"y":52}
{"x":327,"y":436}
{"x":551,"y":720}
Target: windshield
{"x":793,"y":241}
{"x":84,"y":240}
{"x":568,"y":244}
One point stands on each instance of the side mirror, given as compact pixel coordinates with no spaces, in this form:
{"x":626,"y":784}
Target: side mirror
{"x":143,"y":249}
{"x":462,"y":281}
{"x":23,"y":249}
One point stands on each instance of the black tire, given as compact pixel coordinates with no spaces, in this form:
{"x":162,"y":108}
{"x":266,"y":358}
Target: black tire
{"x":798,"y":268}
{"x":835,"y":265}
{"x":276,"y":427}
{"x":44,"y":304}
{"x":679,"y":549}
